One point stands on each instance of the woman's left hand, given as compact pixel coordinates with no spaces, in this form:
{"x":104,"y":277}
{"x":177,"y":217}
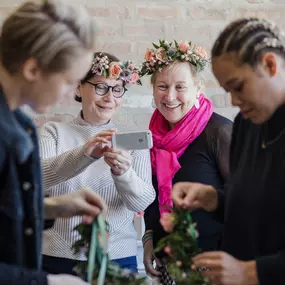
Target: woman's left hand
{"x":224,"y":269}
{"x":119,"y":160}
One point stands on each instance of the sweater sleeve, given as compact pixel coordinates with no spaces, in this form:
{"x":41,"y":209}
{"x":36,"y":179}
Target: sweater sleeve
{"x":270,"y":269}
{"x":152,"y":215}
{"x":135,"y":185}
{"x":221,"y":142}
{"x":58,"y":167}
{"x":12,"y":274}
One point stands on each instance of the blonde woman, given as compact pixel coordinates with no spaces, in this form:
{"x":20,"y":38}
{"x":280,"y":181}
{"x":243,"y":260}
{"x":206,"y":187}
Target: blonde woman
{"x":45,"y":50}
{"x":190,"y":143}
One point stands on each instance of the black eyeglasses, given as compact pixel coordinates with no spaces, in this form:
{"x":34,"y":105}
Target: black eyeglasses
{"x":102,"y":89}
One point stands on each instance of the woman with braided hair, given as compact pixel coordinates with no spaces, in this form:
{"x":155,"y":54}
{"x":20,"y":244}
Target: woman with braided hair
{"x":248,"y":60}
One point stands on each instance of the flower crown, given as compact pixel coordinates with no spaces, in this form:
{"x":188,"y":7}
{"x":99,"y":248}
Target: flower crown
{"x":165,"y":53}
{"x":125,"y":71}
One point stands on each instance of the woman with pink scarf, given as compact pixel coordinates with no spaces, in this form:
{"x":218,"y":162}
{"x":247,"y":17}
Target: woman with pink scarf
{"x":191,"y":143}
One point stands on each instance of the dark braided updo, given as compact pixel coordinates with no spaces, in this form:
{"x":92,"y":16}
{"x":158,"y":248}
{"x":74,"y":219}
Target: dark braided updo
{"x":250,"y":38}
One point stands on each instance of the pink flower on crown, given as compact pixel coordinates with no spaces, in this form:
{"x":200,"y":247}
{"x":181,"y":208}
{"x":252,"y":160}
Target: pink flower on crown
{"x":135,"y":77}
{"x":183,"y":47}
{"x":131,"y":66}
{"x":159,"y":54}
{"x":148,"y":55}
{"x":115,"y":70}
{"x":201,"y":52}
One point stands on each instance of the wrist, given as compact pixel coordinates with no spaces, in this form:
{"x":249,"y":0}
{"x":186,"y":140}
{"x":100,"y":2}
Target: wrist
{"x":50,"y":208}
{"x":211,"y":197}
{"x":250,"y":272}
{"x":148,"y":236}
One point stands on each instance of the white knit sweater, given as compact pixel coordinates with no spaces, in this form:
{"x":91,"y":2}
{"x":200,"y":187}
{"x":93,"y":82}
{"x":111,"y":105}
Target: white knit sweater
{"x":66,"y":169}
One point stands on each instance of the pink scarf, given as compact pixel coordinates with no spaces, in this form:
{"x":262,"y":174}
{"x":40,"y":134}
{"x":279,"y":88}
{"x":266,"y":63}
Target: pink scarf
{"x":169,"y":145}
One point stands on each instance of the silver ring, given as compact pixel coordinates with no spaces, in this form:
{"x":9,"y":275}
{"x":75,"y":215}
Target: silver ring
{"x":117,"y":165}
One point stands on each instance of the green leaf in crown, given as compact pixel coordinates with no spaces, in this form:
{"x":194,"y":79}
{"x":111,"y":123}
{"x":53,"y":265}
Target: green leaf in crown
{"x":164,"y":53}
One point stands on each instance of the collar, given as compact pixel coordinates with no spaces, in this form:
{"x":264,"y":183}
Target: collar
{"x":80,"y":121}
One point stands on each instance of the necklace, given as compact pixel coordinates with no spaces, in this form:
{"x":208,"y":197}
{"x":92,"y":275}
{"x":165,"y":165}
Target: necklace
{"x":265,"y":144}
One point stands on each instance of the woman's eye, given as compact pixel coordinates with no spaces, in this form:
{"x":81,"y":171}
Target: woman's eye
{"x":239,"y":87}
{"x":181,"y":87}
{"x":162,"y":87}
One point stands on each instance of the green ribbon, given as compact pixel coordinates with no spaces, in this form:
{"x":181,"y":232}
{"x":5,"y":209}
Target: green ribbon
{"x":98,"y":251}
{"x":192,"y":231}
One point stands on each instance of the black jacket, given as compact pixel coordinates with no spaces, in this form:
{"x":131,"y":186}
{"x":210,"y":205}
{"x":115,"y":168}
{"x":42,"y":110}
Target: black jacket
{"x":21,"y":200}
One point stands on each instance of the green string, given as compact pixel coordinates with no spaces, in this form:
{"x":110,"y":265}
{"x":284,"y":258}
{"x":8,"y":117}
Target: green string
{"x":92,"y":253}
{"x":192,"y":231}
{"x":102,"y":273}
{"x":96,"y":251}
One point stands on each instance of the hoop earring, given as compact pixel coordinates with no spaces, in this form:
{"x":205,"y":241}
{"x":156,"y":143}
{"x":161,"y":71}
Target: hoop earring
{"x":153,"y":104}
{"x":197,"y":102}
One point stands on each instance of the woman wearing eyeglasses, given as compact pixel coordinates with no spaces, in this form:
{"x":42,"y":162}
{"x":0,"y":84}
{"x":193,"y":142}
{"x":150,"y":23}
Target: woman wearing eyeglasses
{"x":70,"y":161}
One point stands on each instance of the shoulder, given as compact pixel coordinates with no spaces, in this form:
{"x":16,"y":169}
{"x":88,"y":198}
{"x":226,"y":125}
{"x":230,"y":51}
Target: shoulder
{"x":219,"y":126}
{"x":53,"y":130}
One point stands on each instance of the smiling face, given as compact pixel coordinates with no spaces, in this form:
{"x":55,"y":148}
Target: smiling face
{"x":257,"y":92}
{"x":99,"y":109}
{"x":174,"y":91}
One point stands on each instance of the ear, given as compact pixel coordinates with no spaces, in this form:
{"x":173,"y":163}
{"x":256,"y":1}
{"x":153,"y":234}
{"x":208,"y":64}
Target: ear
{"x":78,"y":93}
{"x":31,"y":70}
{"x":269,"y":62}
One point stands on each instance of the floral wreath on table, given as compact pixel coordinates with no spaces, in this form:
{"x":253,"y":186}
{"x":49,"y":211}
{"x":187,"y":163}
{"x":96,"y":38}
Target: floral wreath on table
{"x":165,"y":53}
{"x":125,"y":71}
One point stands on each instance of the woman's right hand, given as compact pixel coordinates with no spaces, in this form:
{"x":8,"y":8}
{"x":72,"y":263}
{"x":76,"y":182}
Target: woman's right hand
{"x":194,"y":196}
{"x":95,"y":146}
{"x":148,"y":258}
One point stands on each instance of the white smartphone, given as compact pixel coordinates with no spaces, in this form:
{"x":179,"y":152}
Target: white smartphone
{"x":133,"y":140}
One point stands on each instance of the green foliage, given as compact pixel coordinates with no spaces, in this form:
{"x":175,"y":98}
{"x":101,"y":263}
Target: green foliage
{"x":181,"y":246}
{"x":114,"y":274}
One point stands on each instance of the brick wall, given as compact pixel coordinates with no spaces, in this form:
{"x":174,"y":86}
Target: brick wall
{"x":127,"y":27}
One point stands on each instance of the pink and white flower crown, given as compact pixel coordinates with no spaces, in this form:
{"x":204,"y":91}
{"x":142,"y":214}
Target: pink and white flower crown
{"x":164,"y":53}
{"x":125,"y":71}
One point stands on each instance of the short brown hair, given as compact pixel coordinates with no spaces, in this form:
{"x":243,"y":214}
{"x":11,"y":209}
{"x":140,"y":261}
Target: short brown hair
{"x":51,"y":32}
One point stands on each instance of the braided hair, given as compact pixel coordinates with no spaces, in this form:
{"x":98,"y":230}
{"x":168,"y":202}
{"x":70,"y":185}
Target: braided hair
{"x":250,"y":38}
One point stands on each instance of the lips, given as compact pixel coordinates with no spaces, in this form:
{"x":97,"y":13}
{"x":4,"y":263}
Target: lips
{"x":245,"y":113}
{"x":171,"y":106}
{"x":104,"y":107}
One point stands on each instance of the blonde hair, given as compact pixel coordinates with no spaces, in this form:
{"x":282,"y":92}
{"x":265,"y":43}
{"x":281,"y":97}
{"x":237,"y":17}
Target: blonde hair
{"x":198,"y":79}
{"x":51,"y":32}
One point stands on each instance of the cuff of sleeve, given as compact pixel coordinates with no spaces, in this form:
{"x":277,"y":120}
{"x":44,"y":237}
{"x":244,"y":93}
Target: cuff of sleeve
{"x":270,"y":270}
{"x":125,"y":177}
{"x":125,"y":183}
{"x":85,"y":159}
